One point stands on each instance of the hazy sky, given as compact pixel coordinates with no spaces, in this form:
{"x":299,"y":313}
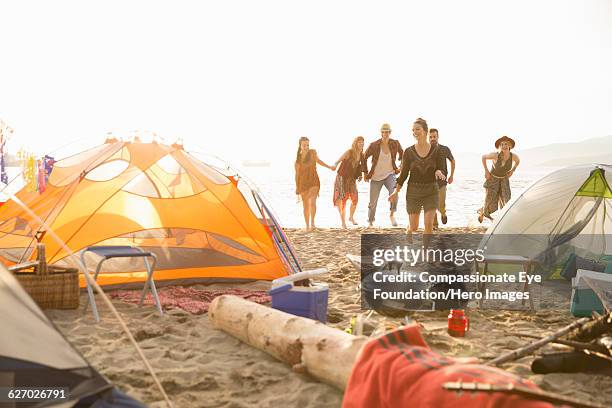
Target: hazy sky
{"x":248,"y":78}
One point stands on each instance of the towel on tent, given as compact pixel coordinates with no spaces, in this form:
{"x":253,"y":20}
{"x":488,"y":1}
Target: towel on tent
{"x":400,"y":370}
{"x":195,"y":301}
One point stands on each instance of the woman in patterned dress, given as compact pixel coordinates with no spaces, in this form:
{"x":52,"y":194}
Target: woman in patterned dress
{"x":352,"y":168}
{"x":497,"y":183}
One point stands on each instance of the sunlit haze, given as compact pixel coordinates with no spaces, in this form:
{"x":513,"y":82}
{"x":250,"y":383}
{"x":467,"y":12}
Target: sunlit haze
{"x":247,"y":79}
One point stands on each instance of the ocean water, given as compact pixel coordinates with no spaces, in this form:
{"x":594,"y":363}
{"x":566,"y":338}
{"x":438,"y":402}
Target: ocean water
{"x":276,"y":184}
{"x":464,"y":196}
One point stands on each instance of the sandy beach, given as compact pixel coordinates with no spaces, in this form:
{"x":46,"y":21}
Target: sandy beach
{"x":202,"y":367}
{"x":157,"y":144}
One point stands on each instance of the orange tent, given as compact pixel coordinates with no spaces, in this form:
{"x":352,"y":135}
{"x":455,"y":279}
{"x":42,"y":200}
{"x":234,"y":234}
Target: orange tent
{"x":158,"y":197}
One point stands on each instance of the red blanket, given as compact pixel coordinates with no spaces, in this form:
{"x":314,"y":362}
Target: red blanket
{"x":195,"y":301}
{"x":400,"y":370}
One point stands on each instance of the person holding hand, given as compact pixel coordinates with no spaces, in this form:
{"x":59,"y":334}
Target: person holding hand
{"x":307,"y":182}
{"x":351,"y":170}
{"x":384,"y":153}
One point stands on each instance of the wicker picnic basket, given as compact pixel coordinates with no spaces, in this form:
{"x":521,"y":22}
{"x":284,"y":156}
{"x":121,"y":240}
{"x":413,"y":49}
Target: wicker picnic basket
{"x":51,"y":287}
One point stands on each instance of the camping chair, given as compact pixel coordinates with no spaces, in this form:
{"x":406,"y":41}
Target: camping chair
{"x":108,"y":252}
{"x":528,"y":266}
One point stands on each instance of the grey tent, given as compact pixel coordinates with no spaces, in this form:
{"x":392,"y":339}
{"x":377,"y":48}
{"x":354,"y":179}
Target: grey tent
{"x":33,"y":353}
{"x":566,"y":211}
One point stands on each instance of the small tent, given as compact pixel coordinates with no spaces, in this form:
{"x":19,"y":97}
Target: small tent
{"x":33,"y":353}
{"x":566,"y":211}
{"x":200,"y":223}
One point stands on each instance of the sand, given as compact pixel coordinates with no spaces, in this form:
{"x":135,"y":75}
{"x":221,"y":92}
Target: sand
{"x":202,"y":367}
{"x":197,"y":365}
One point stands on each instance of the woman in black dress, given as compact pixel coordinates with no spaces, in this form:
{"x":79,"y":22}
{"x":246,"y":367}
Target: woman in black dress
{"x":423,"y":163}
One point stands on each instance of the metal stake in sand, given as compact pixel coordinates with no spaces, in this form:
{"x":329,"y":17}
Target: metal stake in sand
{"x":517,"y":389}
{"x":97,"y":287}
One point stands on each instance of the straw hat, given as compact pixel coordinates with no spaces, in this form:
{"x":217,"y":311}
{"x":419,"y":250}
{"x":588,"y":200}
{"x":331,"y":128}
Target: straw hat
{"x":504,"y":139}
{"x":385,"y":126}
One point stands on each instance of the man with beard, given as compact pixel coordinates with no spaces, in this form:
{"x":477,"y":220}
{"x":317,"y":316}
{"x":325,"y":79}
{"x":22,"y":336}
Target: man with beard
{"x":444,"y":151}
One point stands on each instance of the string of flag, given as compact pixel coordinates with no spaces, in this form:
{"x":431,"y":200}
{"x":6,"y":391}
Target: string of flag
{"x":35,"y":172}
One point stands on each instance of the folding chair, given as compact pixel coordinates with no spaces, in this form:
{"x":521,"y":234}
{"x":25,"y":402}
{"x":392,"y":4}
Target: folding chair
{"x":528,"y":267}
{"x":108,"y":252}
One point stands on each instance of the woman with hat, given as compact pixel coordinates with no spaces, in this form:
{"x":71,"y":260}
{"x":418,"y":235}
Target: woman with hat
{"x":307,"y":182}
{"x":497,"y":183}
{"x":385,"y":152}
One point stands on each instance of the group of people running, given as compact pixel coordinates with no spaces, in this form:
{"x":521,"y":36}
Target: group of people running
{"x":424,"y":165}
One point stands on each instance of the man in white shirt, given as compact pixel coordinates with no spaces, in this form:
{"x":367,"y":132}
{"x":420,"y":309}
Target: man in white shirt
{"x":384,"y":152}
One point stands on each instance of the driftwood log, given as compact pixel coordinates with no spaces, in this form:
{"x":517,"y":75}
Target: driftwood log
{"x":593,"y":329}
{"x":307,"y":345}
{"x":571,"y":362}
{"x":530,"y":348}
{"x":569,"y":343}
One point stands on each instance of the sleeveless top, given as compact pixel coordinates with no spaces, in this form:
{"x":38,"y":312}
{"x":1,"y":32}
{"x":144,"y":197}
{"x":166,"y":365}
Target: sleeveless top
{"x":306,"y":175}
{"x":499,"y":170}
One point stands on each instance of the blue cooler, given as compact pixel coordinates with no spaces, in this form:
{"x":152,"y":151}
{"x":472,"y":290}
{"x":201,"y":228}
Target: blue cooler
{"x":305,"y":301}
{"x":584,"y":301}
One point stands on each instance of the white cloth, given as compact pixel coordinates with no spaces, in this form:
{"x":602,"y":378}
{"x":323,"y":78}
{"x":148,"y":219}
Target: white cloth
{"x":383,"y":166}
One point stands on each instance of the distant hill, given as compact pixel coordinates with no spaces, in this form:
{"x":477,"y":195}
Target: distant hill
{"x":596,"y":150}
{"x":605,"y":158}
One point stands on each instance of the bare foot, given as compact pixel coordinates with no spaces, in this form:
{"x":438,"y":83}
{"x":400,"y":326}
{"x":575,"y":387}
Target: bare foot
{"x":344,"y":225}
{"x":393,"y":222}
{"x":352,"y":221}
